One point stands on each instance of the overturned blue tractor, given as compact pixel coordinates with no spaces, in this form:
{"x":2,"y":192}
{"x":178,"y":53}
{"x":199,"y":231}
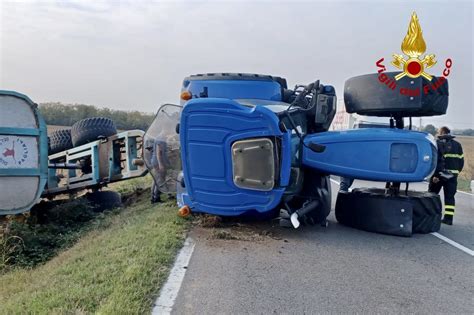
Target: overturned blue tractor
{"x":245,"y":144}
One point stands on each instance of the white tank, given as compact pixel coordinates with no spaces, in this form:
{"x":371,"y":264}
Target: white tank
{"x":23,"y":153}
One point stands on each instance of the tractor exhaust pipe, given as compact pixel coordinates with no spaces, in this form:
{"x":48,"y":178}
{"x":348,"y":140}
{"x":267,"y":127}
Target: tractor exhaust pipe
{"x":307,"y":208}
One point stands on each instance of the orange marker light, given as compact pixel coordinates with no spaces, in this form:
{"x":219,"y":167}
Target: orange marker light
{"x":184,"y":211}
{"x":186,"y":95}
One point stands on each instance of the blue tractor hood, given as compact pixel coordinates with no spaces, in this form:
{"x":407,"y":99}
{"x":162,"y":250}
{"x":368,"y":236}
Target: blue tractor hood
{"x":208,"y":129}
{"x":235,"y":86}
{"x":377,"y":154}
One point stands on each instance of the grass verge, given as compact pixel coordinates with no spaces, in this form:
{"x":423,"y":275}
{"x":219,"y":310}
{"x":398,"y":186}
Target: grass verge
{"x":464,"y":184}
{"x":464,"y":179}
{"x":116,"y":268}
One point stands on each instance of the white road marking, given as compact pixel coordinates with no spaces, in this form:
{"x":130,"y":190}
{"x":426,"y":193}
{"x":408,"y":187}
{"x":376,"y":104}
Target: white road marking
{"x":168,"y":293}
{"x":453,"y":243}
{"x":463,"y":192}
{"x":441,"y":237}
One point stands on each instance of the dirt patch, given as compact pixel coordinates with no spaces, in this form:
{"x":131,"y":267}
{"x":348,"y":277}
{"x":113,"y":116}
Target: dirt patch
{"x":220,"y":228}
{"x":243,"y":233}
{"x":130,"y":198}
{"x":208,"y":221}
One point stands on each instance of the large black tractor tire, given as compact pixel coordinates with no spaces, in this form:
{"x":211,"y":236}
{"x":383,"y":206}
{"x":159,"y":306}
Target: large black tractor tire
{"x":367,"y":95}
{"x":371,"y":209}
{"x":60,"y":140}
{"x":104,"y":200}
{"x":91,"y":129}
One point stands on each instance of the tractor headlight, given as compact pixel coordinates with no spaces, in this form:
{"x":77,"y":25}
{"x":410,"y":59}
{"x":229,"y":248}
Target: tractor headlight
{"x":253,"y":164}
{"x":434,"y":159}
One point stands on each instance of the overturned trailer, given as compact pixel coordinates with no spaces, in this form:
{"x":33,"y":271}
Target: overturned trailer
{"x":33,"y":166}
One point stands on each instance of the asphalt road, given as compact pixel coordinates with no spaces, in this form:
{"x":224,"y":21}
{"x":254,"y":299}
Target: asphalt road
{"x":267,"y":269}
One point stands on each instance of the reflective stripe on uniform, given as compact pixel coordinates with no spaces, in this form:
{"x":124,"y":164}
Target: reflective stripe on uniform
{"x":448,"y":207}
{"x":454,"y":171}
{"x":451,"y":155}
{"x":449,"y":213}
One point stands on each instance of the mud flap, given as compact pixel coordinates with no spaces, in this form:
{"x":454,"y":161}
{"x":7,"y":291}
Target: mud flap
{"x":375,"y":213}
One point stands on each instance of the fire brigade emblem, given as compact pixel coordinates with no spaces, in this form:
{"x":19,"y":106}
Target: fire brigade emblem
{"x":413,"y":46}
{"x":14,"y":152}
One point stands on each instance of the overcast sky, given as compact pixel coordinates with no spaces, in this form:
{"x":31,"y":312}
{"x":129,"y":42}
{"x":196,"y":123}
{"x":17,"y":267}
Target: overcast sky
{"x":133,"y":55}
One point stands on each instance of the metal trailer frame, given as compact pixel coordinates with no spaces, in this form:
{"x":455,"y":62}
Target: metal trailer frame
{"x":89,"y":166}
{"x":95,"y":164}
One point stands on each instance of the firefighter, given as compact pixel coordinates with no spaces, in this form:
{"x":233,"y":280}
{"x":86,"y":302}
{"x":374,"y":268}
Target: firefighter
{"x":450,"y":164}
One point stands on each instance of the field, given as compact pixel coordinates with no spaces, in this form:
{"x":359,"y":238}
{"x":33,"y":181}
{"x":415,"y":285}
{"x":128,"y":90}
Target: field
{"x":468,"y":172}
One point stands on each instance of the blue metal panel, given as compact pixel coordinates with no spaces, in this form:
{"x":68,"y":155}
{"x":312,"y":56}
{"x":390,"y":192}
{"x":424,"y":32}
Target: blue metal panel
{"x":95,"y":163}
{"x":373,"y":154}
{"x":131,"y":149}
{"x":207,"y":131}
{"x":19,"y":131}
{"x":236,"y":89}
{"x":286,"y":159}
{"x":19,"y":172}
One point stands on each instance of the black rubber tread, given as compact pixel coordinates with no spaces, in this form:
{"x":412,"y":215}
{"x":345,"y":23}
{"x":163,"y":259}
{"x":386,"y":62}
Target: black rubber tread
{"x":104,"y":200}
{"x":427,"y":207}
{"x":90,"y":129}
{"x":238,"y":76}
{"x":60,"y":140}
{"x":366,"y":95}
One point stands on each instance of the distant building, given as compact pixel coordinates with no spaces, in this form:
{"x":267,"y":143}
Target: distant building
{"x":342,"y":119}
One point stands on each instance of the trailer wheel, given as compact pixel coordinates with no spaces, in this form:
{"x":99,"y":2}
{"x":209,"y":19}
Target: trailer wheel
{"x":104,"y":200}
{"x":60,"y":140}
{"x":371,"y":209}
{"x":90,"y":129}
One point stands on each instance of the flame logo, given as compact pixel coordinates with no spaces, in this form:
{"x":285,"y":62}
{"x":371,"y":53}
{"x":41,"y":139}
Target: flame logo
{"x":413,"y":45}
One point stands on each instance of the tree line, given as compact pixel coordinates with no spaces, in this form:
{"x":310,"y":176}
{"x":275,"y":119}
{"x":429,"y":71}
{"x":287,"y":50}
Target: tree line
{"x":461,"y":132}
{"x":68,"y":114}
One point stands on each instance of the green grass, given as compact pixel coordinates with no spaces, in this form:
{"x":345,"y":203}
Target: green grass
{"x":132,"y":185}
{"x":464,"y":184}
{"x":115,"y":268}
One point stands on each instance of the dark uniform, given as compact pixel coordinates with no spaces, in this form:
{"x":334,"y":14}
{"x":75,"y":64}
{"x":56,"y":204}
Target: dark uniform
{"x":450,"y":159}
